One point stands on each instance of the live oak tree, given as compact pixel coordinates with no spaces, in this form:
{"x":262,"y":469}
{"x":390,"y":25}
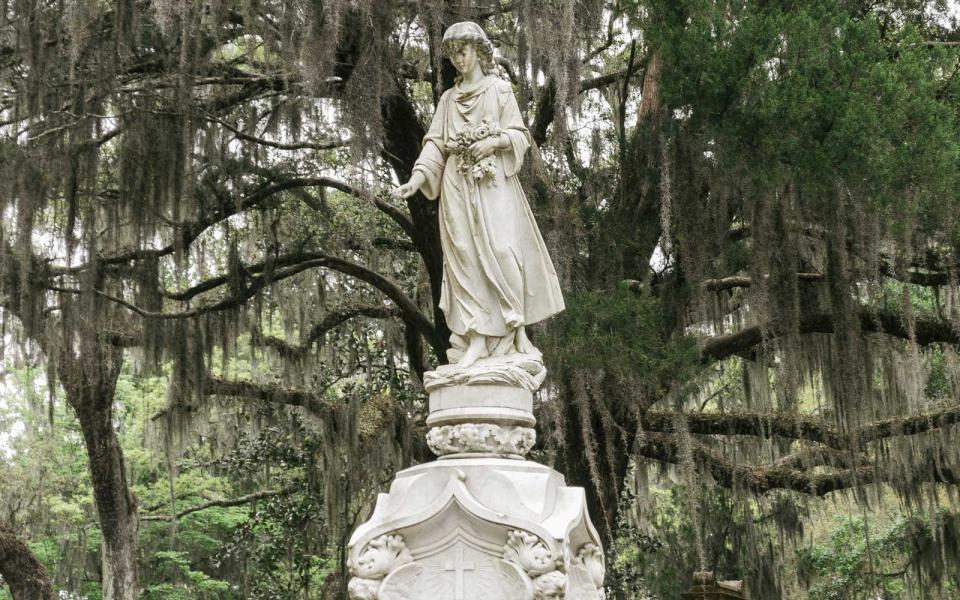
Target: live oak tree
{"x":21,"y":570}
{"x":753,"y":208}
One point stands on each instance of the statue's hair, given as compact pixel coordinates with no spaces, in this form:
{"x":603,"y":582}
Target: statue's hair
{"x":484,"y":53}
{"x":460,"y":34}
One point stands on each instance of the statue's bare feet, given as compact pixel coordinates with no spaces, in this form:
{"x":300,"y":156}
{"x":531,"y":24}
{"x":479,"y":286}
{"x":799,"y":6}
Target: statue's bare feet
{"x":523,"y":343}
{"x":476,"y":350}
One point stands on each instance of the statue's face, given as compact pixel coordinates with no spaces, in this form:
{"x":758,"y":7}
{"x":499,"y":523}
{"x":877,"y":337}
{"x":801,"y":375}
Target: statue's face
{"x":465,"y":58}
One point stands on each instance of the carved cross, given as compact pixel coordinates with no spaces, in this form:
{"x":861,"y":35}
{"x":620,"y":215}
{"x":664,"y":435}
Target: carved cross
{"x":459,"y":567}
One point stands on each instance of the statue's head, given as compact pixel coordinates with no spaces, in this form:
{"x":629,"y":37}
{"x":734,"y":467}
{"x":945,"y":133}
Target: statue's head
{"x":468,"y":34}
{"x":551,"y":586}
{"x":379,"y":557}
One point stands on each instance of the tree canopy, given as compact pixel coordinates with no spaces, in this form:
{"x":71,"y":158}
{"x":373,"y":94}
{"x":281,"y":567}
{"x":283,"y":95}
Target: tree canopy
{"x":215,"y":318}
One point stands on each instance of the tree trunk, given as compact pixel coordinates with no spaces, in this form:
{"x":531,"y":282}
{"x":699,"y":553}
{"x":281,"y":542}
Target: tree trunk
{"x":89,"y":380}
{"x":21,"y":571}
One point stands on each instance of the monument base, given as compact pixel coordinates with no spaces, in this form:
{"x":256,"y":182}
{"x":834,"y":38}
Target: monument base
{"x":478,"y":529}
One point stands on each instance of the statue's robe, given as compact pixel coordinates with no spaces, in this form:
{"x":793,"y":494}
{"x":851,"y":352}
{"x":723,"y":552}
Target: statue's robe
{"x":497,"y":274}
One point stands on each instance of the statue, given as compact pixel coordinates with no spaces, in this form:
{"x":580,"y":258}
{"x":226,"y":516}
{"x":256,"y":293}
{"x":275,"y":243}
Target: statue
{"x":482,"y":522}
{"x":497,"y":275}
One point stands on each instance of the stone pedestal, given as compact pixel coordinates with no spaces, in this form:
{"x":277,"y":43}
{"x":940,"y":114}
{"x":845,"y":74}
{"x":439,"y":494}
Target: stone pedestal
{"x":481,"y":522}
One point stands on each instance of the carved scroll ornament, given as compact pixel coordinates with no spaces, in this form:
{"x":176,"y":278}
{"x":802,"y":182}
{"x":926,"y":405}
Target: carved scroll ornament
{"x":379,"y":558}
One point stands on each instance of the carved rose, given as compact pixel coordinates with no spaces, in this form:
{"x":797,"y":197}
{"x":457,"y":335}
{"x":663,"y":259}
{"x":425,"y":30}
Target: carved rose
{"x":363,"y":589}
{"x":439,"y":442}
{"x":482,"y":130}
{"x":529,"y":553}
{"x":469,"y":435}
{"x":381,"y":556}
{"x":516,"y":440}
{"x":549,"y":586}
{"x":591,"y":557}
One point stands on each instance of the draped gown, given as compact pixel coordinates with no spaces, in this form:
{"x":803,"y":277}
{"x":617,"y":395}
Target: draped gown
{"x":497,"y":274}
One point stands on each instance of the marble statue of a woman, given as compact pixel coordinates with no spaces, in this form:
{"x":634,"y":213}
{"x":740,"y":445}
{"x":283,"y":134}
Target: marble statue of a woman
{"x":497,"y":275}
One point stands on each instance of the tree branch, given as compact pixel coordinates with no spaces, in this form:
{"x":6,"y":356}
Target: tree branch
{"x":762,"y":479}
{"x":307,"y":260}
{"x":330,"y":321}
{"x":408,"y":308}
{"x":927,"y":331}
{"x":270,"y":393}
{"x":926,"y":279}
{"x":739,"y":281}
{"x":923,"y":278}
{"x":930,"y":269}
{"x":764,"y":425}
{"x":911,"y":425}
{"x":222,"y":504}
{"x":190,"y":231}
{"x":324,"y":145}
{"x":255,"y":285}
{"x":803,"y":427}
{"x":808,"y":458}
{"x":388,"y":209}
{"x":545,"y":107}
{"x":611,"y":20}
{"x":605,"y":80}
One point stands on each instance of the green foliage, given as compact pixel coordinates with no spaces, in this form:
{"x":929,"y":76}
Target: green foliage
{"x":203,"y":556}
{"x":829,"y":96}
{"x":186,"y":584}
{"x":846,"y":553}
{"x":865,"y":558}
{"x":44,"y":479}
{"x":939,"y":385}
{"x":619,"y":333}
{"x":284,"y":550}
{"x":657,"y":548}
{"x":284,"y":545}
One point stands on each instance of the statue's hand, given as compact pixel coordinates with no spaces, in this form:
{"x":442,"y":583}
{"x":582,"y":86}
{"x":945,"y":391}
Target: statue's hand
{"x":483,"y":148}
{"x":404,"y":191}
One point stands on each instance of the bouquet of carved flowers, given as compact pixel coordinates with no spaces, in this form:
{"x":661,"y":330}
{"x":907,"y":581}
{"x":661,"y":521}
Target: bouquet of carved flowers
{"x":460,"y":143}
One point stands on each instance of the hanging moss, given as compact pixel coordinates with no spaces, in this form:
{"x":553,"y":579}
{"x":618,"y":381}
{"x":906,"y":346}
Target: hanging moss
{"x":808,"y":155}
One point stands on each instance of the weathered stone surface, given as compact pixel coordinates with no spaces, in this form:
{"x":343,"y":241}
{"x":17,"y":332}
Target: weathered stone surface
{"x":481,"y":404}
{"x":530,"y":553}
{"x":481,"y":438}
{"x":379,"y":557}
{"x":522,"y":371}
{"x":458,"y":575}
{"x":503,"y":528}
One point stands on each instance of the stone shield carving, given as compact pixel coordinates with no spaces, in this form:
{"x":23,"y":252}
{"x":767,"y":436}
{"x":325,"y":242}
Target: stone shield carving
{"x":458,"y":571}
{"x":457,"y":545}
{"x":502,"y":581}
